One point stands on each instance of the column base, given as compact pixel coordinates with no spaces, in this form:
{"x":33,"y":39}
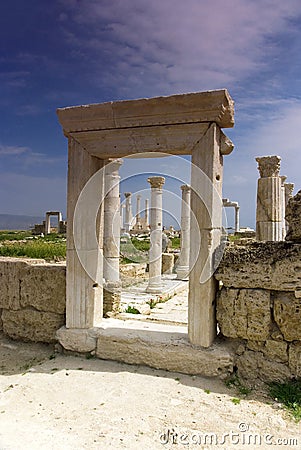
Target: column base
{"x":156,"y":288}
{"x":182,"y":273}
{"x":111,"y":297}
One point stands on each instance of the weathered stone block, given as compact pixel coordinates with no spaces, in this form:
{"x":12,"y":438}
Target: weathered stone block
{"x":111,"y":300}
{"x":11,"y":272}
{"x":44,"y":288}
{"x":262,"y":265}
{"x":256,"y":346}
{"x":164,"y":350}
{"x":293,"y":216}
{"x":244,"y":313}
{"x":31,"y":325}
{"x":287,"y":315}
{"x":77,"y":340}
{"x":167,"y":263}
{"x":276,"y":350}
{"x":1,"y":322}
{"x":295,"y":359}
{"x":252,"y":365}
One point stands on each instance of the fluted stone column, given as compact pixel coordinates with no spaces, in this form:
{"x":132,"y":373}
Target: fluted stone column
{"x":283,"y":178}
{"x":183,"y":261}
{"x":111,"y":240}
{"x":288,"y":193}
{"x":128,"y":211}
{"x":146,"y":213}
{"x":237,"y":225}
{"x":155,"y":252}
{"x":269,"y":200}
{"x":138,"y":206}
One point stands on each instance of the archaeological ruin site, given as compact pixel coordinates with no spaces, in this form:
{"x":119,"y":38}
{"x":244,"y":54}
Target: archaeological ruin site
{"x":216,"y":307}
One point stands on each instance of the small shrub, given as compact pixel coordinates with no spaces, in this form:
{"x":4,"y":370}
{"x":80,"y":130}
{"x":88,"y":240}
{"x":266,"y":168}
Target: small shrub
{"x":132,"y":310}
{"x":289,"y":395}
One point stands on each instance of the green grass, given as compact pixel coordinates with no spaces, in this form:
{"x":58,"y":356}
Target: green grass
{"x":134,"y":251}
{"x":14,"y":235}
{"x":175,"y":242}
{"x":35,"y":249}
{"x":234,"y":381}
{"x":289,"y":395}
{"x":132,"y":310}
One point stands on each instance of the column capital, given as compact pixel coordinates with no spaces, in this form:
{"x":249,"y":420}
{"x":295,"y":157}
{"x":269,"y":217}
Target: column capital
{"x":289,"y":187}
{"x":127,"y":194}
{"x":283,"y":178}
{"x":268,"y":166}
{"x":156,"y":182}
{"x":185,"y":187}
{"x":112,"y":166}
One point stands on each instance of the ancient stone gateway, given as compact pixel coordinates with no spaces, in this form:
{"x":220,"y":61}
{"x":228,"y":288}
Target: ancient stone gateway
{"x":58,"y":214}
{"x":188,"y":124}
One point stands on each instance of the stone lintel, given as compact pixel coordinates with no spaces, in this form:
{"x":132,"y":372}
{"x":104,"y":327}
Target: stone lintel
{"x":211,"y":106}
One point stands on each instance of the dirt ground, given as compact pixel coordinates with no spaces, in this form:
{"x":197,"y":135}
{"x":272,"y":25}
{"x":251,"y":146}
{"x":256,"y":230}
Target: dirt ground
{"x":56,"y":401}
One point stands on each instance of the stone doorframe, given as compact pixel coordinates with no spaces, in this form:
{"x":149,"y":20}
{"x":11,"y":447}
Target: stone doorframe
{"x":58,"y":214}
{"x":186,"y":124}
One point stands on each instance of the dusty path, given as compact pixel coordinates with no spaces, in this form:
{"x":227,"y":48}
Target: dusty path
{"x":58,"y":402}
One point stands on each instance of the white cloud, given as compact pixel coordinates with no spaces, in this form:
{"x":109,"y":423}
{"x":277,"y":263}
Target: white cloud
{"x":10,"y":150}
{"x":280,"y":136}
{"x":25,"y":157}
{"x":172,"y":46}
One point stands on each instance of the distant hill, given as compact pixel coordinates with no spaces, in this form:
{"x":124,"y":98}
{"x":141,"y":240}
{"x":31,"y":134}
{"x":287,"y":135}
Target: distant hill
{"x":16,"y":222}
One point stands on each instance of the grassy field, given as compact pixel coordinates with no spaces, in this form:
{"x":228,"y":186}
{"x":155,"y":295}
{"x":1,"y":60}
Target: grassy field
{"x":23,"y":244}
{"x":53,"y":246}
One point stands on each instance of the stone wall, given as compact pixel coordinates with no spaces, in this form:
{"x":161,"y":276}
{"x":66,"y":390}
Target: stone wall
{"x":32,"y":299}
{"x":259,"y":308}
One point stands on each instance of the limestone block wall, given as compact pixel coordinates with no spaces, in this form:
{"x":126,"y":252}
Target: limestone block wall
{"x":259,"y":308}
{"x":32,"y":298}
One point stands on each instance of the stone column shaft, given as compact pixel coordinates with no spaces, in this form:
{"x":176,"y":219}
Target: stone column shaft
{"x":237,"y":226}
{"x":146,"y":213}
{"x":205,"y":235}
{"x":112,"y":222}
{"x":47,"y":224}
{"x":84,"y":295}
{"x":183,"y":261}
{"x":288,"y":193}
{"x":155,"y":252}
{"x":138,"y":206}
{"x":269,"y":200}
{"x":128,"y":211}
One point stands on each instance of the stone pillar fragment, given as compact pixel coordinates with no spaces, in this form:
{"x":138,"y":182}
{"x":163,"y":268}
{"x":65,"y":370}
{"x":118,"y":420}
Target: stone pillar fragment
{"x":288,"y":194}
{"x":155,"y":252}
{"x":183,"y":261}
{"x":237,"y":225}
{"x":283,"y":178}
{"x":138,"y":206}
{"x":206,"y":232}
{"x":269,"y":200}
{"x":111,"y":239}
{"x":47,"y":224}
{"x":128,"y":211}
{"x":146,"y":213}
{"x":84,"y":294}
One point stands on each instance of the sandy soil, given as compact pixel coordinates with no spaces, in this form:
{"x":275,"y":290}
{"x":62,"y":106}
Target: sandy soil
{"x":55,"y":401}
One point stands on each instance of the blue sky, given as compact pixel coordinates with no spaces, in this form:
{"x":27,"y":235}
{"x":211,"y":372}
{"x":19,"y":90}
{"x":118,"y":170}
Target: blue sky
{"x":71,"y":52}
